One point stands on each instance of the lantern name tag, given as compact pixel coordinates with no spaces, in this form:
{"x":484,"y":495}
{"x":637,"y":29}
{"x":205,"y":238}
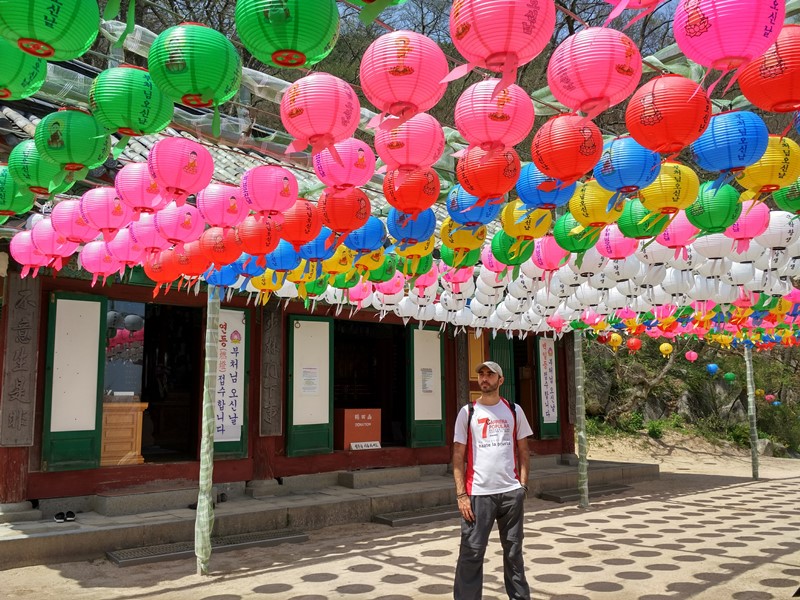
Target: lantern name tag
{"x":54,"y":9}
{"x":530,"y":17}
{"x":742,"y":129}
{"x":147,"y":92}
{"x":365,"y":445}
{"x":773,"y":16}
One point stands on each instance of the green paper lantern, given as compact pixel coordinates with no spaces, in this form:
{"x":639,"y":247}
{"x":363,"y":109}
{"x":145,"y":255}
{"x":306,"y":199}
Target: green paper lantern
{"x":575,"y":242}
{"x":386,"y":271}
{"x":125,"y":100}
{"x":729,"y":377}
{"x":416,"y":266}
{"x":510,"y":250}
{"x":34,"y":174}
{"x":13,"y":199}
{"x":345,"y":281}
{"x":317,"y":287}
{"x":73,"y":139}
{"x":639,"y":223}
{"x":288,"y":33}
{"x":714,"y":213}
{"x":50,"y":29}
{"x":195,"y":65}
{"x":22,"y":75}
{"x":788,"y":198}
{"x":469,"y":259}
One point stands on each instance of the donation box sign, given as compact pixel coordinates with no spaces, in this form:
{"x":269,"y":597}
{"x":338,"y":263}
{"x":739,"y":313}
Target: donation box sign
{"x":360,"y":427}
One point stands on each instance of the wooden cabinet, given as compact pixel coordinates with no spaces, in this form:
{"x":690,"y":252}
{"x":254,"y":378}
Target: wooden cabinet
{"x":122,"y":433}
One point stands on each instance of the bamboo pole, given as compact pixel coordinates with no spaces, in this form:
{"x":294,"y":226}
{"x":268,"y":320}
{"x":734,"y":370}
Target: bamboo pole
{"x":751,"y":410}
{"x":580,"y":422}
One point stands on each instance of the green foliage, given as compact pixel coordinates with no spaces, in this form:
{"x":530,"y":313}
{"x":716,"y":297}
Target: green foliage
{"x":596,"y":426}
{"x":675,"y":421}
{"x":631,"y":422}
{"x":655,"y":429}
{"x":781,"y":423}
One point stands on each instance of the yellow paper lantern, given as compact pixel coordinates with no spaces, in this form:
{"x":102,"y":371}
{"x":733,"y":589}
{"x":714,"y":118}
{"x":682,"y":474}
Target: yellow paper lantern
{"x":418,"y":250}
{"x":305,"y":272}
{"x":615,"y":341}
{"x":340,"y":262}
{"x":460,"y":239}
{"x":665,"y":349}
{"x":675,"y":188}
{"x":777,"y":168}
{"x":589,"y":203}
{"x":525,"y":224}
{"x":370,"y":261}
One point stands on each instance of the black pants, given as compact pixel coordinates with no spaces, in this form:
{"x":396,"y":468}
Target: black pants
{"x":507,"y":510}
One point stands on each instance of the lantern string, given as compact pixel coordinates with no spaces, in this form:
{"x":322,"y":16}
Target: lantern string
{"x":569,"y":13}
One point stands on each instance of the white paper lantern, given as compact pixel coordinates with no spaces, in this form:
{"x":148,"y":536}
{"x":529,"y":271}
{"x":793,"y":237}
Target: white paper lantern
{"x":677,"y":282}
{"x":653,"y":253}
{"x":592,"y":262}
{"x":782,"y":232}
{"x":686,"y":259}
{"x":715,"y":245}
{"x":738,"y":273}
{"x":713,"y":267}
{"x":772,"y":260}
{"x":754,"y":252}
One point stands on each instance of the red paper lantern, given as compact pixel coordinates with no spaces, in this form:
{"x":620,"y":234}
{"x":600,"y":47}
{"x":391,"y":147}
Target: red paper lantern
{"x":220,"y":245}
{"x":194,"y":262}
{"x":302,"y":223}
{"x":634,"y":345}
{"x":566,"y":147}
{"x":418,"y":192}
{"x":258,"y":237}
{"x":772,"y":81}
{"x":343,"y":211}
{"x":163,"y":268}
{"x":488,"y":174}
{"x":668,"y":113}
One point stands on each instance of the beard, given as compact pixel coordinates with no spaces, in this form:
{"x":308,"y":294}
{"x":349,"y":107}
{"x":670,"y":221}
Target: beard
{"x":487,"y":387}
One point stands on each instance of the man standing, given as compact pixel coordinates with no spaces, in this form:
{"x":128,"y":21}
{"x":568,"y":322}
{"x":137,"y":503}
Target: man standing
{"x":490,"y":467}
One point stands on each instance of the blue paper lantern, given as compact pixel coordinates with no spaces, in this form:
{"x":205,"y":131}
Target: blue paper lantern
{"x":369,"y":237}
{"x":223,"y":277}
{"x":283,"y":258}
{"x":408,"y":231}
{"x":463,"y":209}
{"x":319,"y":248}
{"x":530,"y":178}
{"x":712,"y":368}
{"x":626,"y":166}
{"x":732,"y":141}
{"x":246,"y":266}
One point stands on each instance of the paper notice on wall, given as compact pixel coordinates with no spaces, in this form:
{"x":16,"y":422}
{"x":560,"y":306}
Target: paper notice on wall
{"x":426,"y":380}
{"x":310,"y":378}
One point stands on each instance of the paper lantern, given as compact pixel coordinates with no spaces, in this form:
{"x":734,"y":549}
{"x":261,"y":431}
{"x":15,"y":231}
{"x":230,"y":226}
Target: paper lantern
{"x":68,"y":222}
{"x":179,"y":224}
{"x":668,"y":113}
{"x":455,"y":259}
{"x":137,"y":188}
{"x":368,"y":238}
{"x":788,"y":198}
{"x":124,"y":99}
{"x":594,"y":69}
{"x":269,"y":191}
{"x":634,"y":345}
{"x":639,"y":223}
{"x":712,"y":368}
{"x":782,"y":231}
{"x":591,"y":205}
{"x":388,"y":278}
{"x":302,"y":223}
{"x":418,"y":192}
{"x":222,"y":247}
{"x":127,"y":252}
{"x":465,"y":209}
{"x":343,"y":211}
{"x":53,"y":31}
{"x":163,"y":269}
{"x":488,"y":174}
{"x":565,"y":148}
{"x":401,"y":73}
{"x":143,"y":234}
{"x":615,"y":246}
{"x":674,"y":189}
{"x":96,"y":259}
{"x":408,"y":231}
{"x":73,"y":139}
{"x":25,"y":253}
{"x":51,"y":244}
{"x":14,"y":199}
{"x":548,"y":255}
{"x":494,"y":122}
{"x":646,"y":6}
{"x":500,"y":35}
{"x":532,"y":196}
{"x":520,"y":222}
{"x":23,"y":75}
{"x":777,"y":168}
{"x":320,"y":248}
{"x":319,"y":109}
{"x":284,"y":258}
{"x":772,"y":81}
{"x":289,"y":33}
{"x":221,"y":205}
{"x":752,"y":222}
{"x":355,"y":165}
{"x":713,"y":33}
{"x":509,"y":251}
{"x":180,"y":167}
{"x":571,"y":242}
{"x":461,"y":240}
{"x":714,"y":210}
{"x":665,"y":349}
{"x":733,"y":141}
{"x":678,"y":234}
{"x":196,"y":66}
{"x":102,"y":209}
{"x":256,"y":236}
{"x":626,"y":166}
{"x":691,"y":356}
{"x":400,"y":147}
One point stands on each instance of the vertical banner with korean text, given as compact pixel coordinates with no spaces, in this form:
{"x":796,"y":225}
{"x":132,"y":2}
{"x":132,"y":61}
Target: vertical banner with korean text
{"x":547,"y":380}
{"x":231,"y":373}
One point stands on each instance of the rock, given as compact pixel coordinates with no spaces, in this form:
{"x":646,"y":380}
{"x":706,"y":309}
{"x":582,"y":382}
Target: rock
{"x":765,"y":447}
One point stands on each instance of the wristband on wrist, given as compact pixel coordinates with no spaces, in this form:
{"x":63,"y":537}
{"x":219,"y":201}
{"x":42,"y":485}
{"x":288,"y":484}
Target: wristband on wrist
{"x":464,"y":495}
{"x":524,"y":487}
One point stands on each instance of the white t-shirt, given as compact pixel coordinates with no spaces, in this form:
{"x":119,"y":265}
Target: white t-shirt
{"x":491,"y":464}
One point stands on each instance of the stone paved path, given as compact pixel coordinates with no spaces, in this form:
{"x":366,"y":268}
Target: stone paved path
{"x":716,"y":538}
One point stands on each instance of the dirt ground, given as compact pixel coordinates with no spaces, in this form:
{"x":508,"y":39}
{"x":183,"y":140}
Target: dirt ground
{"x":705,"y":530}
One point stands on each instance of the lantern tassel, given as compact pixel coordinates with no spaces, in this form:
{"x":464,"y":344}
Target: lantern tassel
{"x":371,"y":11}
{"x":130,"y":23}
{"x":641,"y":15}
{"x":457,"y":73}
{"x":298,"y":145}
{"x":119,"y":147}
{"x":549,"y":185}
{"x":618,"y":10}
{"x":509,"y":76}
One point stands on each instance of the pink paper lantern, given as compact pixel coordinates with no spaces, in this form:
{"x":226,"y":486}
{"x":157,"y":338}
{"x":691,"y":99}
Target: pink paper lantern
{"x":67,"y":221}
{"x":179,"y":224}
{"x":715,"y":33}
{"x":665,"y":311}
{"x":500,"y":35}
{"x":426,"y":280}
{"x":691,"y":356}
{"x":678,"y":234}
{"x":51,"y":244}
{"x":143,"y":233}
{"x":103,"y":210}
{"x":137,"y":188}
{"x":269,"y":190}
{"x":354,"y":169}
{"x":401,"y":74}
{"x":97,"y":260}
{"x":127,"y":252}
{"x":456,"y":277}
{"x":416,"y":144}
{"x":489,"y":261}
{"x":222,"y":205}
{"x":319,"y":109}
{"x":548,"y":255}
{"x":393,"y":286}
{"x":594,"y":69}
{"x":494,"y":122}
{"x":360,"y":292}
{"x":615,"y":246}
{"x":753,"y":221}
{"x":180,"y":167}
{"x":25,"y":253}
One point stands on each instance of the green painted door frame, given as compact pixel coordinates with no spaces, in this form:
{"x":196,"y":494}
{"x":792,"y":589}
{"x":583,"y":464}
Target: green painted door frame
{"x":501,"y":351}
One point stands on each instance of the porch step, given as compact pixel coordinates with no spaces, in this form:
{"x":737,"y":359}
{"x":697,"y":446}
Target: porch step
{"x":376,"y":477}
{"x":145,"y":499}
{"x":180,"y":550}
{"x":573,"y":495}
{"x":415,"y":517}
